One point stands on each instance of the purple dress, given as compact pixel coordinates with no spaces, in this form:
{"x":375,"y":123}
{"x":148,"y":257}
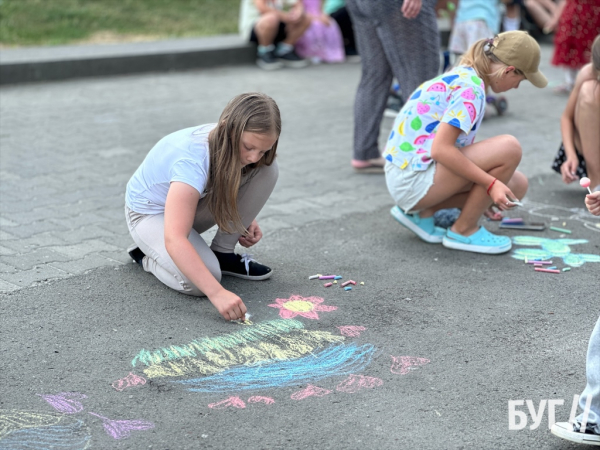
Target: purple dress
{"x":320,"y":42}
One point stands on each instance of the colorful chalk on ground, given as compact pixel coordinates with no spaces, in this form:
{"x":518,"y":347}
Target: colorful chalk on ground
{"x":338,"y":277}
{"x":551,"y":268}
{"x":353,"y":282}
{"x":539,"y":262}
{"x":561,"y":230}
{"x":346,"y":283}
{"x":537,"y":269}
{"x":566,"y":269}
{"x":515,"y":221}
{"x":328,"y":284}
{"x":348,"y":288}
{"x":362,"y":283}
{"x":334,"y":281}
{"x":326,"y":277}
{"x":314,"y":277}
{"x":585,"y":182}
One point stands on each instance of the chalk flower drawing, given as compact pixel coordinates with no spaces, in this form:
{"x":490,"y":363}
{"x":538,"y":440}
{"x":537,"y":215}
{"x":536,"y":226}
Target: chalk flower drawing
{"x":261,"y":399}
{"x":120,"y":429}
{"x":65,"y":402}
{"x":310,"y":391}
{"x":235,"y":402}
{"x":297,"y":305}
{"x":552,"y":248}
{"x":351,"y":330}
{"x":29,"y":430}
{"x":130,"y":380}
{"x":355,"y":383}
{"x":404,"y":364}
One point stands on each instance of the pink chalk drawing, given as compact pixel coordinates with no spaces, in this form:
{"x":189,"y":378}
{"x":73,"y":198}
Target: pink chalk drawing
{"x":236,"y":402}
{"x":351,"y":330}
{"x":259,"y":399}
{"x":130,"y":380}
{"x":121,"y":429}
{"x":297,"y":305}
{"x":404,"y":364}
{"x":355,"y":383}
{"x":310,"y":391}
{"x":65,"y":402}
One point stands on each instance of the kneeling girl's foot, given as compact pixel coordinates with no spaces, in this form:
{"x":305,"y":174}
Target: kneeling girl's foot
{"x":482,"y":241}
{"x":242,"y":266}
{"x":136,"y":254}
{"x":423,"y":227}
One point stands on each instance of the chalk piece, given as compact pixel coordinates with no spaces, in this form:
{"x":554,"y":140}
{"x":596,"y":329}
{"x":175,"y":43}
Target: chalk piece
{"x":353,"y":282}
{"x":334,"y":281}
{"x":566,"y":269}
{"x":564,"y":224}
{"x":546,"y":270}
{"x":561,"y":230}
{"x":362,"y":283}
{"x":551,"y":268}
{"x":313,"y":277}
{"x":513,"y":221}
{"x":326,"y":277}
{"x":345,"y":283}
{"x":348,"y":288}
{"x":328,"y":284}
{"x":526,"y":260}
{"x":540,"y":262}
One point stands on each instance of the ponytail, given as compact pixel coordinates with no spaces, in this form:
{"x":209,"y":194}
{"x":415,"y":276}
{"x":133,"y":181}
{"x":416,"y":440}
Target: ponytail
{"x":480,"y":57}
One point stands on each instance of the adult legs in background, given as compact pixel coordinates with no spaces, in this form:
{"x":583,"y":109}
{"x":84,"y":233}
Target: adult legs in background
{"x":587,"y":136}
{"x":389,"y":45}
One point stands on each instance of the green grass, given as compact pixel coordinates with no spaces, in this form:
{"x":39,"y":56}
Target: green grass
{"x":55,"y":22}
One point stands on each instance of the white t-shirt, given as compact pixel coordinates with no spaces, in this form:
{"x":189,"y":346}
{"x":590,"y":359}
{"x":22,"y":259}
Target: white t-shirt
{"x":180,"y":156}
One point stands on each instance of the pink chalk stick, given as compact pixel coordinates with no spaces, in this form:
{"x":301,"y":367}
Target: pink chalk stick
{"x":547,"y":270}
{"x":352,"y":282}
{"x":539,"y":262}
{"x":327,"y":277}
{"x":328,"y":284}
{"x":345,"y":283}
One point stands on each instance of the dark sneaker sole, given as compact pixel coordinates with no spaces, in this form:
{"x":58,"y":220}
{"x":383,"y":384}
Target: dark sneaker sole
{"x":248,"y":277}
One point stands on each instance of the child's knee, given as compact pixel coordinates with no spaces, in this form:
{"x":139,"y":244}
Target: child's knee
{"x":269,"y":20}
{"x":520,"y":184}
{"x":512,"y":148}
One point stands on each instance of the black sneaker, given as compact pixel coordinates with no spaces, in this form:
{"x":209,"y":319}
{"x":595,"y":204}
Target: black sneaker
{"x":136,"y":254}
{"x":267,"y":61}
{"x":242,"y":266}
{"x":291,"y":59}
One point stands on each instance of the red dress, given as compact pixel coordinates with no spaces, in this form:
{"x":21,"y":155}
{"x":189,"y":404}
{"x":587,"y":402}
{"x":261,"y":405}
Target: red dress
{"x":579,"y":24}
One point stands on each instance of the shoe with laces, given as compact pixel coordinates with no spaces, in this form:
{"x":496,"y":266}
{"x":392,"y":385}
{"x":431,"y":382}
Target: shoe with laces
{"x":482,"y":241}
{"x":242,"y":266}
{"x":568,"y":431}
{"x":136,"y":254}
{"x":424,"y":228}
{"x":291,"y":59}
{"x":267,"y":61}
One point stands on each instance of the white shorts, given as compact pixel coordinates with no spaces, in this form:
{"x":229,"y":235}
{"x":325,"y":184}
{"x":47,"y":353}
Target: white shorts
{"x":407,"y":187}
{"x":465,"y":34}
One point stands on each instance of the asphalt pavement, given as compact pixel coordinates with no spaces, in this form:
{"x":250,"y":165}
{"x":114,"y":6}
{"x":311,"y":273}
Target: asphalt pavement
{"x":426,"y":354}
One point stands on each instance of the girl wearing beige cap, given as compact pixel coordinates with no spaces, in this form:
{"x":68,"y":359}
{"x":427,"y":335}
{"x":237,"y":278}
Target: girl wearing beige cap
{"x":433,"y":161}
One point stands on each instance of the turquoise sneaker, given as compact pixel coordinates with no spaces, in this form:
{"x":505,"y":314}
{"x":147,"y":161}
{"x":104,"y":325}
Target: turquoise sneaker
{"x":482,"y":241}
{"x":424,"y":228}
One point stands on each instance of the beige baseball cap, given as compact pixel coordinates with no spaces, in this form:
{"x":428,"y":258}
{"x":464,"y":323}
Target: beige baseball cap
{"x":519,"y":49}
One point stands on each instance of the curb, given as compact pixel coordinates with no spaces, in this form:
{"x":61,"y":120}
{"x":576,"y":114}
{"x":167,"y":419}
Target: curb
{"x":65,"y":62}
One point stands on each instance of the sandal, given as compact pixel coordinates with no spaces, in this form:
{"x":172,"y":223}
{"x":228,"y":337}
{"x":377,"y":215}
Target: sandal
{"x":482,"y":241}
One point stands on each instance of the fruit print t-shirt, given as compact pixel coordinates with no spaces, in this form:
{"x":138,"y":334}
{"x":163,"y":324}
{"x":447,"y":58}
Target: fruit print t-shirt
{"x":456,"y":97}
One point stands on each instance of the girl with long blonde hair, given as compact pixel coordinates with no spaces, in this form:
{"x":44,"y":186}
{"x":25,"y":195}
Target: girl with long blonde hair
{"x":195,"y":178}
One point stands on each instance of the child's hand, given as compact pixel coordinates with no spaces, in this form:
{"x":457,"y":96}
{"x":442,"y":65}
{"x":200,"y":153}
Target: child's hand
{"x":325,"y":19}
{"x":568,"y":170}
{"x":411,"y":8}
{"x":229,"y":305}
{"x":254,"y":235}
{"x":592,"y":201}
{"x":502,"y":196}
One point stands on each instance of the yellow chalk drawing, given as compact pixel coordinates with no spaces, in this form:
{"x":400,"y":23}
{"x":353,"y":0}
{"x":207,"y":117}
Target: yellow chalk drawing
{"x":299,"y":306}
{"x":279,"y":348}
{"x":276,"y":340}
{"x":15,"y":420}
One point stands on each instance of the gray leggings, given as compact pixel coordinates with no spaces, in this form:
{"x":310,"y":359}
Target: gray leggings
{"x":148,"y":231}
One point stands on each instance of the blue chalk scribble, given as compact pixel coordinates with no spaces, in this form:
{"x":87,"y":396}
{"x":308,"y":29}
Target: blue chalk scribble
{"x":552,"y":248}
{"x":334,"y":361}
